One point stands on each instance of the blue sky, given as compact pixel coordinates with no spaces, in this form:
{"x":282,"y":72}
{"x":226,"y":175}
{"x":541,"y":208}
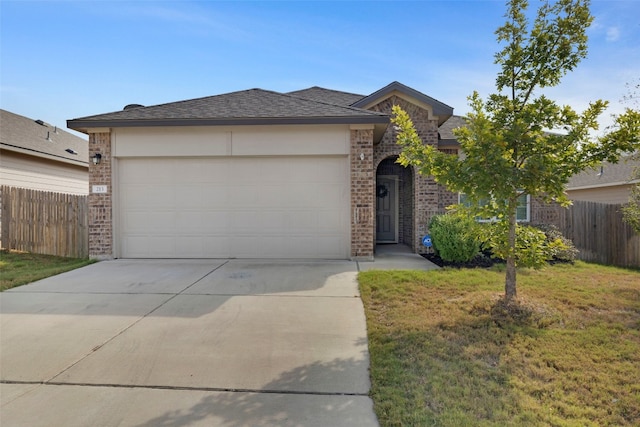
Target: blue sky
{"x":66,"y":59}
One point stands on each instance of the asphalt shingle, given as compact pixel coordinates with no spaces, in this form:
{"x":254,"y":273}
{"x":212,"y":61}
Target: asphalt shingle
{"x":250,"y":105}
{"x":22,"y":134}
{"x":606,"y":174}
{"x":330,"y":96}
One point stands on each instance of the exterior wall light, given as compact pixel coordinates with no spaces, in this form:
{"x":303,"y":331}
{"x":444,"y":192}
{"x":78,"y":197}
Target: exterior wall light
{"x":96,"y":158}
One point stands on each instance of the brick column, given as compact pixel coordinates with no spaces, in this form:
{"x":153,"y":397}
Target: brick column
{"x":101,"y":204}
{"x":427,"y":194}
{"x":362,"y":193}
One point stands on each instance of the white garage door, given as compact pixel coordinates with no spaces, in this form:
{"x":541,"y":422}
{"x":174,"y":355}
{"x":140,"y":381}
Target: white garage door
{"x":233,"y":207}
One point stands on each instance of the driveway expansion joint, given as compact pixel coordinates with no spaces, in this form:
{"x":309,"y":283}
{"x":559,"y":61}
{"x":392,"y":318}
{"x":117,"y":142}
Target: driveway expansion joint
{"x":185,"y":388}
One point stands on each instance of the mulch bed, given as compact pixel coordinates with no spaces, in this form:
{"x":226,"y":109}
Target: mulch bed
{"x":481,"y":261}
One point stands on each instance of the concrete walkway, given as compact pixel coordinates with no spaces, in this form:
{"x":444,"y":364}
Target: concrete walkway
{"x":188,"y":342}
{"x":396,"y":257}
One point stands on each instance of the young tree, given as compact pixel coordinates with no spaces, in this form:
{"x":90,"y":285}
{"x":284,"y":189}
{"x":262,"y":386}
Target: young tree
{"x":508,"y":149}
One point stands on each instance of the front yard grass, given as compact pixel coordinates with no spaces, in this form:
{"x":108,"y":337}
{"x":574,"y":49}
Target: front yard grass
{"x":19,"y":268}
{"x":446,"y":352}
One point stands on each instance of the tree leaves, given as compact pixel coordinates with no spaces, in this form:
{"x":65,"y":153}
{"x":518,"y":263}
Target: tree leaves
{"x":518,"y":140}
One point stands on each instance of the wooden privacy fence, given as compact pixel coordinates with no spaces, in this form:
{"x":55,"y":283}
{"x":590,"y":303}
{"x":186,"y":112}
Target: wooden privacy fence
{"x":43,"y":222}
{"x":599,"y":233}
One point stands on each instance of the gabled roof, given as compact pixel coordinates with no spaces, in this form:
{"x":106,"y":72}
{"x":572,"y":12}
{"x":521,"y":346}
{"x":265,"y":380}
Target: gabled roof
{"x":336,"y":97}
{"x":606,"y":175}
{"x":248,"y":107}
{"x":445,"y":131}
{"x":37,"y":138}
{"x":440,"y":109}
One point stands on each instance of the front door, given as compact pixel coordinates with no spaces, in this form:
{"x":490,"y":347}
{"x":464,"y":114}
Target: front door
{"x":387,"y":209}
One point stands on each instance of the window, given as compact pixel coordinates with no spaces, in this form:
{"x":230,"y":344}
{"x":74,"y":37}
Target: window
{"x":523,"y":210}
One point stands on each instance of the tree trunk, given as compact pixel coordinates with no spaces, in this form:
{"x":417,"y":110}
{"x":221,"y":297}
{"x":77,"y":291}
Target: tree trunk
{"x":510,"y":277}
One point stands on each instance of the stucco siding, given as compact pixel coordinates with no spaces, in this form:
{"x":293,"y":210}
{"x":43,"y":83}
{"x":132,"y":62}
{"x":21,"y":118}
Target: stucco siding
{"x":18,"y":170}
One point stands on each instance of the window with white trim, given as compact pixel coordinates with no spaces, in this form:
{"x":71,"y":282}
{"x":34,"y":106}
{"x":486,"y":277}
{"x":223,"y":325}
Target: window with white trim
{"x":523,"y":210}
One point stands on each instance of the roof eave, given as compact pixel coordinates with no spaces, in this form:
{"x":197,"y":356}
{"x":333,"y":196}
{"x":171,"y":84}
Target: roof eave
{"x":40,"y":154}
{"x":83,"y":125}
{"x":449,"y":142}
{"x":603,"y":185}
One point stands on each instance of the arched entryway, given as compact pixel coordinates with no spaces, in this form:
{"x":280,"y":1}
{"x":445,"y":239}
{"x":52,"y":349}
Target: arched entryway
{"x":394,"y":203}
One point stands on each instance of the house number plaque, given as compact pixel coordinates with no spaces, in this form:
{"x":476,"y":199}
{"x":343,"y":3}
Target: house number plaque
{"x":99,"y":189}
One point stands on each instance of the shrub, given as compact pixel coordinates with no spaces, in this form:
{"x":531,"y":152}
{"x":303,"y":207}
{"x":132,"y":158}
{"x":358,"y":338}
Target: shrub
{"x":535,"y":245}
{"x":563,"y":249}
{"x":531,"y":249}
{"x":455,"y":237}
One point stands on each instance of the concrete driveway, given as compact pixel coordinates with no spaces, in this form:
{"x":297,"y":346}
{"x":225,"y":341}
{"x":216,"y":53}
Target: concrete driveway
{"x":187,"y":342}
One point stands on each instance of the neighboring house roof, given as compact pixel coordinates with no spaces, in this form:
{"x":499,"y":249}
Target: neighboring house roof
{"x":606,"y":175}
{"x":248,"y":107}
{"x":37,"y":138}
{"x":440,"y":109}
{"x":328,"y":95}
{"x":445,"y":131}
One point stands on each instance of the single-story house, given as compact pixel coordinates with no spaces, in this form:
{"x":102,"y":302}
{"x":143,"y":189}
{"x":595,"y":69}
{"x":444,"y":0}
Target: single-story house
{"x":39,"y":156}
{"x":262,"y":174}
{"x":609,"y":183}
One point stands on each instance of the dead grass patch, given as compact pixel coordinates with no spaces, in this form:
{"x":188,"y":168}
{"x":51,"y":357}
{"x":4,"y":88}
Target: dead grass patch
{"x":447,"y":350}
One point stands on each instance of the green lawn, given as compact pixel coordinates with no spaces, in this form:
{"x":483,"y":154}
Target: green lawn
{"x":446,"y":352}
{"x":19,"y":268}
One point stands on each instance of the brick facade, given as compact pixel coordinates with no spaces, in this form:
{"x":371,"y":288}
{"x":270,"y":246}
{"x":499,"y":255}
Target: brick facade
{"x":544,"y":213}
{"x":419,"y":197}
{"x":362,"y":194}
{"x":100,"y":205}
{"x":423,"y":198}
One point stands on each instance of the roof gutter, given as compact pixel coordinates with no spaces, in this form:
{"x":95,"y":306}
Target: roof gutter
{"x":83,"y":124}
{"x":609,"y":184}
{"x":43,"y":155}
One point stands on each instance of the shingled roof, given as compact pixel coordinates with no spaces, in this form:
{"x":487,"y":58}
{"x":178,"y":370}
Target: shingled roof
{"x":606,"y":175}
{"x":248,"y":107}
{"x":336,"y":97}
{"x":445,"y":131}
{"x":37,"y":138}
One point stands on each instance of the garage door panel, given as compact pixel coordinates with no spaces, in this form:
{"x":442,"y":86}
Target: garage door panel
{"x":328,"y":244}
{"x":214,"y":246}
{"x":136,"y":221}
{"x":246,"y":222}
{"x":142,"y":195}
{"x":272,"y":195}
{"x":243,"y":196}
{"x":135,"y":246}
{"x":274,"y":172}
{"x":301,"y":195}
{"x":328,"y":194}
{"x":329,"y":221}
{"x":189,"y":246}
{"x":246,"y":245}
{"x":190,"y":221}
{"x":188,"y":196}
{"x":216,"y":171}
{"x":216,"y":222}
{"x":274,"y":221}
{"x":234,"y":207}
{"x":214,"y":196}
{"x":161,"y":246}
{"x":152,"y":171}
{"x":303,"y":221}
